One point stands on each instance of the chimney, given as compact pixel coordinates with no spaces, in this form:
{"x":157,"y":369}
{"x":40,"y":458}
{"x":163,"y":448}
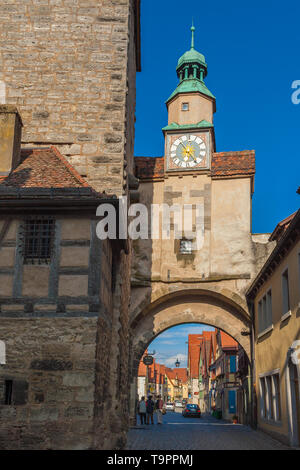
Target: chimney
{"x":10,"y":138}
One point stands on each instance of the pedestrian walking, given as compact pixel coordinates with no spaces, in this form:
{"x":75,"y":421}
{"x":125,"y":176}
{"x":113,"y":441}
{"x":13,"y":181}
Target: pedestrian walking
{"x":150,"y":410}
{"x":142,"y":410}
{"x":159,"y":407}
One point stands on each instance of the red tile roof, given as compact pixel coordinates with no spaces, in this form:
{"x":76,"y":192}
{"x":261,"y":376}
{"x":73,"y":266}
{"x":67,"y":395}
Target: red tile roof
{"x":44,"y":168}
{"x":44,"y":172}
{"x":194,"y":342}
{"x":205,"y":350}
{"x":181,"y":373}
{"x":281,"y":228}
{"x":149,"y":167}
{"x":224,"y":164}
{"x":213,"y":347}
{"x":227,"y":341}
{"x":170,"y":374}
{"x":233,"y":164}
{"x":142,"y":372}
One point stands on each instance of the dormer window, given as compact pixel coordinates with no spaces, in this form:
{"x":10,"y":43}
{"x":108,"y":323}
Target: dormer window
{"x":185,"y":106}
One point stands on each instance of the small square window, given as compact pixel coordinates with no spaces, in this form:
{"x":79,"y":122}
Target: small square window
{"x":185,"y":106}
{"x":185,"y":247}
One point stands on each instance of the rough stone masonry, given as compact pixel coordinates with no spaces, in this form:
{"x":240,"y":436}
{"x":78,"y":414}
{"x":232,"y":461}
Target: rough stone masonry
{"x":69,"y":66}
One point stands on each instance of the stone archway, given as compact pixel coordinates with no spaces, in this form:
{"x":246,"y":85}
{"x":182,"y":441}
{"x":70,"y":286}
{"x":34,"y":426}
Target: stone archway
{"x":187,"y":306}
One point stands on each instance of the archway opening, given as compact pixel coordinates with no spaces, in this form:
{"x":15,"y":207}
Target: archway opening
{"x":193,"y":369}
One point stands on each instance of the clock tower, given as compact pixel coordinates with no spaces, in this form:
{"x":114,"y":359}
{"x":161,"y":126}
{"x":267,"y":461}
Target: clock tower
{"x":212,"y":190}
{"x":189,"y":135}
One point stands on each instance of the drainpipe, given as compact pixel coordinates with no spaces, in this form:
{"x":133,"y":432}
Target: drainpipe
{"x":253,"y":368}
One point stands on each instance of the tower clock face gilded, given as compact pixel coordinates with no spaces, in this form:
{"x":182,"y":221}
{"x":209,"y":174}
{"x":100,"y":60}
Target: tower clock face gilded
{"x":188,"y":152}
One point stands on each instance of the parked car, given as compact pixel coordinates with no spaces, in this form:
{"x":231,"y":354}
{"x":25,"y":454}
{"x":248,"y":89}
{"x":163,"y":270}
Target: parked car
{"x":178,"y":404}
{"x":191,"y":410}
{"x":169,"y":406}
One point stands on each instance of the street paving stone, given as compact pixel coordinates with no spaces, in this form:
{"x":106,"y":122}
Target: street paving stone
{"x":206,"y":433}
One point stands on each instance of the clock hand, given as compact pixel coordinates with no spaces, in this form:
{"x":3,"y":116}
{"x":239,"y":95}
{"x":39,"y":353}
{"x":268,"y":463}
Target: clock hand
{"x":186,"y":151}
{"x":183,"y":145}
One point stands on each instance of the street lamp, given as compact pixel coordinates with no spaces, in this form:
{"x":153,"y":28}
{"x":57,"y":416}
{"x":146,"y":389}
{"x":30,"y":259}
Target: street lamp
{"x":177,"y":363}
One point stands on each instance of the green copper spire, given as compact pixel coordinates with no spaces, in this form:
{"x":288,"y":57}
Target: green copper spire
{"x":191,"y":71}
{"x":193,"y":32}
{"x":192,"y":56}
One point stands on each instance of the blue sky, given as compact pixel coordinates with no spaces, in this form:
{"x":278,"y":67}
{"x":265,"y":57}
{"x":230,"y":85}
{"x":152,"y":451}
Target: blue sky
{"x":252,"y":50}
{"x":172,"y":344}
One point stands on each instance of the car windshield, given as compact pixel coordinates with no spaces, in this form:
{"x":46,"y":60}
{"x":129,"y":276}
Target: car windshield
{"x":192,"y":406}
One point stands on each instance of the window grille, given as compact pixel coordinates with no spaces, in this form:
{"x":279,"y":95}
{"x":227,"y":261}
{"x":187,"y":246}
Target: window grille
{"x":185,"y":247}
{"x":38,"y":240}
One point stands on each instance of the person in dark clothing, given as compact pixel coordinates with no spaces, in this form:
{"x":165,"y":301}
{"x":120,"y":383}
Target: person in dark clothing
{"x":142,"y":410}
{"x":158,"y":408}
{"x":150,"y":410}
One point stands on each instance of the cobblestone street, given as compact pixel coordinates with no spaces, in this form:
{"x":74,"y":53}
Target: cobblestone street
{"x":207,"y":433}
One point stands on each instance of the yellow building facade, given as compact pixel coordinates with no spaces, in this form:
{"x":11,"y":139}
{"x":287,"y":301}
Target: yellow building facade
{"x":275,"y":294}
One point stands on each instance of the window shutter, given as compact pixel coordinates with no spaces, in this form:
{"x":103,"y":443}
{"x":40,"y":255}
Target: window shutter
{"x":232,"y":401}
{"x":232,"y":364}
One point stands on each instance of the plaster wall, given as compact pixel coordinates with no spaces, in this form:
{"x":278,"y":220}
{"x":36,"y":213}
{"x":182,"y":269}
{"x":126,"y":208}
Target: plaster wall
{"x":200,"y":107}
{"x":271,"y":349}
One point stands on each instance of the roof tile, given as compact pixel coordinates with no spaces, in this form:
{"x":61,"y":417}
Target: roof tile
{"x":233,"y":163}
{"x":224,"y":164}
{"x":44,"y":168}
{"x":44,"y":171}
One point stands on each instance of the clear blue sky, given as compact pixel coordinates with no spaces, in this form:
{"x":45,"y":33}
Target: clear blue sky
{"x":253,"y":54}
{"x":172,"y":344}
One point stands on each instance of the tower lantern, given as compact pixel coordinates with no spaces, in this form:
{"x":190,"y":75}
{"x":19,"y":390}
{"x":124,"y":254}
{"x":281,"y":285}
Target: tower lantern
{"x":191,"y":101}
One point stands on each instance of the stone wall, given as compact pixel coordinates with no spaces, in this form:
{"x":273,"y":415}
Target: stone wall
{"x":52,"y":366}
{"x":112,"y":413}
{"x":58,"y":347}
{"x":69,"y":66}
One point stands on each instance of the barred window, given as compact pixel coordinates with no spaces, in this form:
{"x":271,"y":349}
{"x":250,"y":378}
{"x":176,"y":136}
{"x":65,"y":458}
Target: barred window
{"x":185,"y":247}
{"x":38,"y":240}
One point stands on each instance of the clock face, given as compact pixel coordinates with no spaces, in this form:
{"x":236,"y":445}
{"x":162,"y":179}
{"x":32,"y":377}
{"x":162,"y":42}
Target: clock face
{"x":188,"y":151}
